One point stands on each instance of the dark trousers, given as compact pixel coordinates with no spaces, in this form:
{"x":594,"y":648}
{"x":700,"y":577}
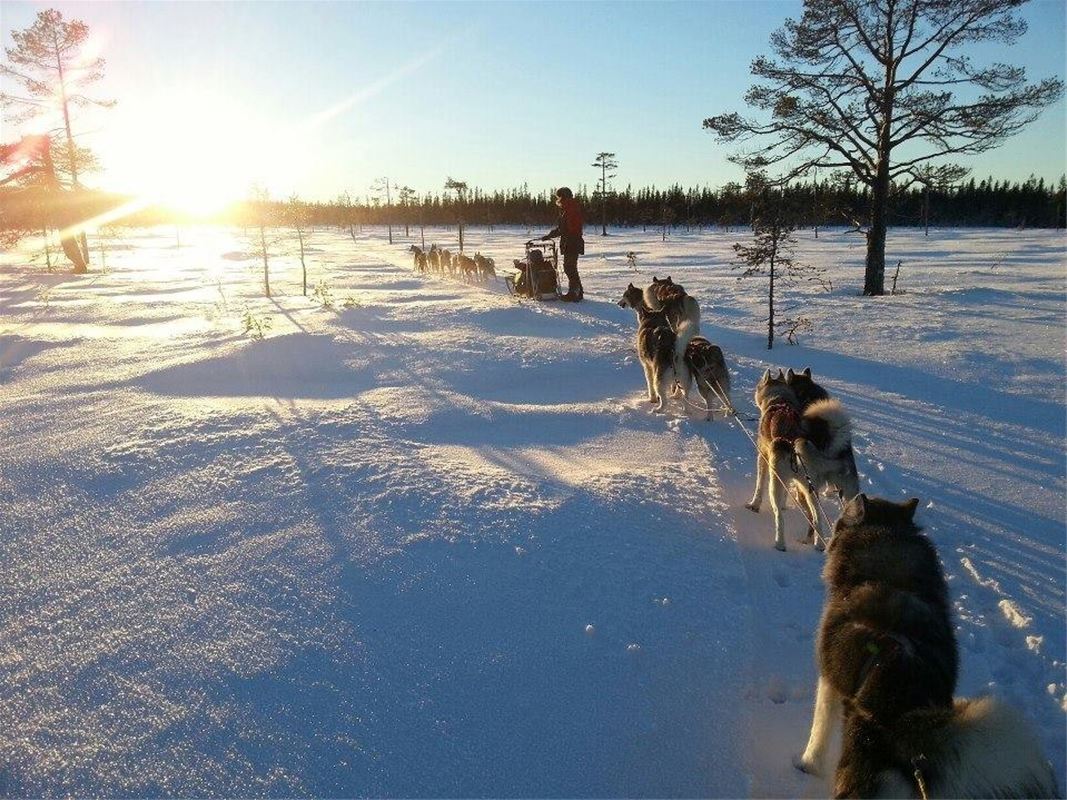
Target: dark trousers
{"x":570,"y":266}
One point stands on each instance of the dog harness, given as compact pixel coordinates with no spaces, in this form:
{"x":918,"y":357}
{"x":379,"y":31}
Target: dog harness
{"x":783,"y":422}
{"x":888,"y":648}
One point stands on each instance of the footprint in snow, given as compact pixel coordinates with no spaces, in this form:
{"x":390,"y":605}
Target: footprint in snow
{"x":777,"y":691}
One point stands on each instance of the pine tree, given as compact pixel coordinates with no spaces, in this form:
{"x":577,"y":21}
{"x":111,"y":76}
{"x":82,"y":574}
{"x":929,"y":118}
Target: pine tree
{"x":460,"y":188}
{"x":604,"y":162}
{"x":46,"y":63}
{"x":854,"y":82}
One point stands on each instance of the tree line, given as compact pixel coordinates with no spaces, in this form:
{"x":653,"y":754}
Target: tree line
{"x":832,"y":202}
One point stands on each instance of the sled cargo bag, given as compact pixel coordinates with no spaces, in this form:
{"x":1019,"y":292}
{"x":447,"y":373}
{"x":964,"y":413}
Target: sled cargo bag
{"x":542,"y":275}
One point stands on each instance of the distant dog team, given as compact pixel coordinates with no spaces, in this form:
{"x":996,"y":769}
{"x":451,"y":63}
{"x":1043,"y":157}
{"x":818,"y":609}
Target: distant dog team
{"x":479,"y":269}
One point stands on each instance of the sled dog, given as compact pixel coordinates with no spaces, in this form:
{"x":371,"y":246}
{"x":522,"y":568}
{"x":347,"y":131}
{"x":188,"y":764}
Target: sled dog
{"x":800,"y":449}
{"x":419,"y":257}
{"x":434,"y":257}
{"x":655,"y":346}
{"x":466,"y":267}
{"x":888,"y":663}
{"x":683,"y":315}
{"x":486,"y":267}
{"x":705,"y":363}
{"x":842,"y":474}
{"x":806,"y":389}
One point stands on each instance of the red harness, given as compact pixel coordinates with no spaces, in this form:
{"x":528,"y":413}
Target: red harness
{"x":783,"y":422}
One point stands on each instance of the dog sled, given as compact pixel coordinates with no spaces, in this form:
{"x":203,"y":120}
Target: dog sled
{"x":537,"y":277}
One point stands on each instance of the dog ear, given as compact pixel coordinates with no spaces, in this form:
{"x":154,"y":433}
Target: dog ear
{"x":655,"y":279}
{"x":781,"y":376}
{"x":766,"y":377}
{"x":629,"y":286}
{"x":789,"y":375}
{"x":855,"y":510}
{"x":807,"y":372}
{"x":910,"y":506}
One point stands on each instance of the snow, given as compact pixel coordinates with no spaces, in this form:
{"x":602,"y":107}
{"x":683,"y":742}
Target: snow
{"x":431,"y":541}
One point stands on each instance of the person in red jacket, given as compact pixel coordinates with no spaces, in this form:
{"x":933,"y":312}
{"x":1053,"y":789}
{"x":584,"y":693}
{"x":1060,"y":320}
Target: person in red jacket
{"x":571,"y":243}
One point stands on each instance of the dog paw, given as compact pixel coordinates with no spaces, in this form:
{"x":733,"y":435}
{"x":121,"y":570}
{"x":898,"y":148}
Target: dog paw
{"x":779,"y":546}
{"x":754,"y":507}
{"x":807,"y":766}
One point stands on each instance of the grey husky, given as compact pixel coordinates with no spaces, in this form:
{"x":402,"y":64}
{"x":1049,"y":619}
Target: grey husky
{"x":888,"y":663}
{"x":655,"y":346}
{"x":803,"y":450}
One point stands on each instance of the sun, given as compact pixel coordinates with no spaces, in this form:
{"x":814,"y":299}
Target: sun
{"x":193,"y":151}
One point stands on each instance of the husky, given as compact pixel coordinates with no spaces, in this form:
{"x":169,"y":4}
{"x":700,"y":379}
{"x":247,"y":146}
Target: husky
{"x":806,"y":389}
{"x":655,"y":346}
{"x":419,"y":257}
{"x":704,"y":361}
{"x":888,"y":663}
{"x":683,"y":315}
{"x":446,"y":261}
{"x":466,"y":267}
{"x":486,"y":267}
{"x":802,"y":450}
{"x":840,"y":471}
{"x":434,"y":257}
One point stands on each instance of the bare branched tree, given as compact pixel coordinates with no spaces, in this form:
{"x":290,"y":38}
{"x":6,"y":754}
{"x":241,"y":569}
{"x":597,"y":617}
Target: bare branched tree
{"x":262,"y":213}
{"x":382,"y":189}
{"x":298,"y":217}
{"x":852,"y":82}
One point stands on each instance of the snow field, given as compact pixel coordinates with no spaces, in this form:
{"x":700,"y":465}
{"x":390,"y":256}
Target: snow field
{"x":431,"y":541}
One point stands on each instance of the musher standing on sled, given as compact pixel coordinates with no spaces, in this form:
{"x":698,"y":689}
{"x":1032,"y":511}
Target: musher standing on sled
{"x":571,"y":243}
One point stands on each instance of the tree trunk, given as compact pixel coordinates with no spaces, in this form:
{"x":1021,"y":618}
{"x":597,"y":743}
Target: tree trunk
{"x":47,"y":249}
{"x":926,"y":209}
{"x":874,"y":272}
{"x":303,"y":266}
{"x":266,"y":266}
{"x":770,"y":302}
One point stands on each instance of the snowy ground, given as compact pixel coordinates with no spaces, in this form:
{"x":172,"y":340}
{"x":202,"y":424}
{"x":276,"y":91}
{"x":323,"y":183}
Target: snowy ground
{"x":434,"y":543}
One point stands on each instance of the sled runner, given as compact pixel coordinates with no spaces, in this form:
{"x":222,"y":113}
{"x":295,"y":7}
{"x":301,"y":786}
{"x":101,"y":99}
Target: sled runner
{"x":537,"y":277}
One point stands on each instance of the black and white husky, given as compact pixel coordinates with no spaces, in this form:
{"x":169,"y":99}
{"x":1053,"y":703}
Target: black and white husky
{"x":655,"y":346}
{"x":888,"y":663}
{"x":683,"y":315}
{"x":802,"y":450}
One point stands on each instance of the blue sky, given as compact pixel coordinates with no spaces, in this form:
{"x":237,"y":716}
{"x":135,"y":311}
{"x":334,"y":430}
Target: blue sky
{"x":495,"y":93}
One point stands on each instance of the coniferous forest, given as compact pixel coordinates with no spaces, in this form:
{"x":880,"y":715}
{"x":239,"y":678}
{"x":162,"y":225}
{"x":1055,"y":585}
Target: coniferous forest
{"x":1033,"y":203}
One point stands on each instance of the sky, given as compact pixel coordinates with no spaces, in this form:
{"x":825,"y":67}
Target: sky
{"x":320,"y":98}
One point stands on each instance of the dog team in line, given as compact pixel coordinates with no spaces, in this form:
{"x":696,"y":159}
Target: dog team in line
{"x":479,"y":269}
{"x":886,"y":649}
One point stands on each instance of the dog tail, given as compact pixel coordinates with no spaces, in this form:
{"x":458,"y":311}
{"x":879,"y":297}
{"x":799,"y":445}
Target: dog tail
{"x":827,"y":426}
{"x":692,"y":311}
{"x":652,"y":299}
{"x":683,"y":336}
{"x":984,"y":725}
